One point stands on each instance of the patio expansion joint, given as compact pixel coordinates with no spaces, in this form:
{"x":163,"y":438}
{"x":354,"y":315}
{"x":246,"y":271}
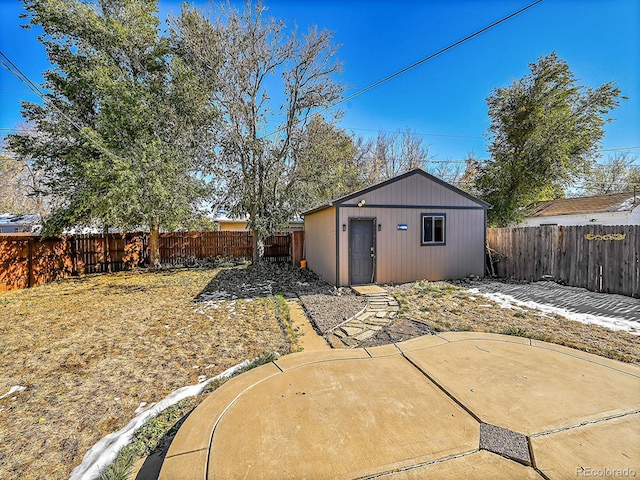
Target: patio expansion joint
{"x":437,"y":334}
{"x":444,"y":390}
{"x":180,"y":454}
{"x":584,"y":424}
{"x":534,"y":464}
{"x":224,"y":412}
{"x":587,"y":360}
{"x":418,"y":465}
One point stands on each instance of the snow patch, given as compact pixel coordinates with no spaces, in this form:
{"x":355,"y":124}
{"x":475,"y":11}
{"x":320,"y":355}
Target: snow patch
{"x":142,"y":407}
{"x":626,"y":205}
{"x":507,"y":301}
{"x":106,"y":450}
{"x":14,"y":389}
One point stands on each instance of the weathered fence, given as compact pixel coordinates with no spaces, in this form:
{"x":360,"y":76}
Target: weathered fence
{"x":599,"y":258}
{"x":27,"y":260}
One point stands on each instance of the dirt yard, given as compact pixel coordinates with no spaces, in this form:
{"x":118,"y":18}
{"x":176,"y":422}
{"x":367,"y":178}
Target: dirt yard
{"x":89,"y":351}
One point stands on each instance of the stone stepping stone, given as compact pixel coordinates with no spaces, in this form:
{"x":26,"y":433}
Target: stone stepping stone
{"x":350,"y":331}
{"x":334,"y":341}
{"x":364,"y":335}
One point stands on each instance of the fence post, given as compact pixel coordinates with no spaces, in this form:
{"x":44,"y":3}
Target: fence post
{"x":30,"y":261}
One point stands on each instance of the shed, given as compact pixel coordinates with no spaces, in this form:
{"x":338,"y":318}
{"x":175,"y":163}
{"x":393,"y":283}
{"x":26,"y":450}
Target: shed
{"x":414,"y":226}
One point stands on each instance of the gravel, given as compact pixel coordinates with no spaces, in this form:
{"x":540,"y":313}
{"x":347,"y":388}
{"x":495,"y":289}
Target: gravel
{"x":399,"y":330}
{"x":504,"y":442}
{"x":328,"y":310}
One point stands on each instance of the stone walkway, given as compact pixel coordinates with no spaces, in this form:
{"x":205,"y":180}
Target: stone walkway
{"x":381,"y":308}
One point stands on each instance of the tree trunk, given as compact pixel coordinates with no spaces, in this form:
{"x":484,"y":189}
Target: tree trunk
{"x":258,"y":246}
{"x":154,"y":246}
{"x":256,"y":250}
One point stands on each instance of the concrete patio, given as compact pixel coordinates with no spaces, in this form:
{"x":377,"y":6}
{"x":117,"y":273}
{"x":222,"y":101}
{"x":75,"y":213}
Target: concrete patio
{"x":453,"y":405}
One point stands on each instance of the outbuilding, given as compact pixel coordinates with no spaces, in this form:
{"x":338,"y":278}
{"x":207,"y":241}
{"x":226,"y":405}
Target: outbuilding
{"x":414,"y":226}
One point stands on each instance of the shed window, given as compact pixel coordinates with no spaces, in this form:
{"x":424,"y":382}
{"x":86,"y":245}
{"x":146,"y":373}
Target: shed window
{"x":433,"y":229}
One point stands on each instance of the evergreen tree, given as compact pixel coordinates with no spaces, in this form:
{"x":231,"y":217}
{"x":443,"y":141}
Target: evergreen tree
{"x":125,"y":131}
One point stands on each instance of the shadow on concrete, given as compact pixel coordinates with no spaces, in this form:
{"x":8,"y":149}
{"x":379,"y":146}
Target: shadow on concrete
{"x":152,"y":465}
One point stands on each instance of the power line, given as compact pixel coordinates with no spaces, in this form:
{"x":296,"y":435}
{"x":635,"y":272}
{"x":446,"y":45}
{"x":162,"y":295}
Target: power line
{"x":414,"y":65}
{"x":412,"y":133}
{"x":439,"y":52}
{"x":619,"y":148}
{"x":15,"y":70}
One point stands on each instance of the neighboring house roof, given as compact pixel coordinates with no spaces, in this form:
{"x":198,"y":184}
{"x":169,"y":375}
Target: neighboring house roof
{"x":617,"y":202}
{"x":15,"y":222}
{"x":415,"y":171}
{"x":222,"y":217}
{"x":18,"y":219}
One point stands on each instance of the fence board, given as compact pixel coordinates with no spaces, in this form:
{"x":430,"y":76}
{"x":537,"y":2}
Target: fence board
{"x":571,"y":255}
{"x":28,"y":260}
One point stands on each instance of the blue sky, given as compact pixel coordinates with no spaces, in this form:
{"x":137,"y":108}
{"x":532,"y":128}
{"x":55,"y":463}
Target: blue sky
{"x":443,"y":99}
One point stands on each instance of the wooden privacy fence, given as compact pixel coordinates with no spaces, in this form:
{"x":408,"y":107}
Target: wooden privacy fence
{"x":27,"y":260}
{"x":599,"y":258}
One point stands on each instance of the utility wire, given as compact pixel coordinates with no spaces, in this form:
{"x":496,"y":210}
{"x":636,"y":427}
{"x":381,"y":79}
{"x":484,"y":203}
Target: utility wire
{"x":412,"y":133}
{"x":15,"y":70}
{"x":439,"y":52}
{"x":620,"y":148}
{"x":414,"y":65}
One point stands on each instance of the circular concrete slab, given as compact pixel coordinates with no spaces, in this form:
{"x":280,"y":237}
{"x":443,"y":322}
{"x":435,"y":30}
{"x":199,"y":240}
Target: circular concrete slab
{"x":345,"y":419}
{"x":413,"y":410}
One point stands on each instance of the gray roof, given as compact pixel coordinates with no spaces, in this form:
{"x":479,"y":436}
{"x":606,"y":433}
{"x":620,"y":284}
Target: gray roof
{"x":415,"y":171}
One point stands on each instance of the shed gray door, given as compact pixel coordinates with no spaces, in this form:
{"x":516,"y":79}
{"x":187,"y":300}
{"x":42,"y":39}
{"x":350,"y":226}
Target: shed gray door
{"x":361,"y":251}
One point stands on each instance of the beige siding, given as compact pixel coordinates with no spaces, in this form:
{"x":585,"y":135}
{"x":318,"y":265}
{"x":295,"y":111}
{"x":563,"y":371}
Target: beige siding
{"x":320,"y":243}
{"x":414,"y":190}
{"x":240,"y":226}
{"x":399,"y":256}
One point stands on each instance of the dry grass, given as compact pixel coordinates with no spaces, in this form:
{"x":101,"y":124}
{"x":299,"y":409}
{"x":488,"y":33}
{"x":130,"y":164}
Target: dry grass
{"x":90,"y":350}
{"x":448,"y":307}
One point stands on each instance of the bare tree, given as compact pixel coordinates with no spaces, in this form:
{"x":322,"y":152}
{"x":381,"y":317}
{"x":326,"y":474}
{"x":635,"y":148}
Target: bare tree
{"x":390,"y":155}
{"x":618,"y":174}
{"x":261,"y":131}
{"x":21,"y":188}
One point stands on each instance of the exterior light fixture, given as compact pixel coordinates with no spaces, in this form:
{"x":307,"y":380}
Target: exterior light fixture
{"x":379,"y":227}
{"x":344,"y":227}
{"x":361,"y":202}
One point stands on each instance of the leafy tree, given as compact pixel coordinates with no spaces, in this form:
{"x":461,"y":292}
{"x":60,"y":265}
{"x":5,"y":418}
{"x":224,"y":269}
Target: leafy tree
{"x":262,"y":132}
{"x":545,"y":130}
{"x":120,"y":133}
{"x":330,"y":165}
{"x":618,"y":174}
